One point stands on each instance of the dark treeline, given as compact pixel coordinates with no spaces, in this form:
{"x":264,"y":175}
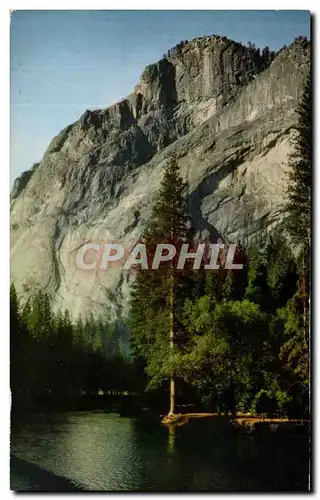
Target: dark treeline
{"x":57,"y":363}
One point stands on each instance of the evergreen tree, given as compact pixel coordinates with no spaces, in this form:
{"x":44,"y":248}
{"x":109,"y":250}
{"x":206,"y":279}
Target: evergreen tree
{"x":282,"y":271}
{"x":21,"y":369}
{"x":41,"y":316}
{"x":257,"y":290}
{"x":15,"y":319}
{"x":156,"y":295}
{"x":54,"y":361}
{"x":300,"y":175}
{"x":78,"y":332}
{"x":236,"y":280}
{"x":15,"y":340}
{"x":299,"y":198}
{"x":292,"y":351}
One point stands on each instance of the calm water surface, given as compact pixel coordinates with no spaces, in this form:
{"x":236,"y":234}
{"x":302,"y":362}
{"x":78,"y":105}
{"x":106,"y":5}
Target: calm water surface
{"x":100,"y":452}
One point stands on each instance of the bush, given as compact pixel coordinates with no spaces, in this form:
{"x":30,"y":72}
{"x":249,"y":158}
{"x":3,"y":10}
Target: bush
{"x":264,"y":404}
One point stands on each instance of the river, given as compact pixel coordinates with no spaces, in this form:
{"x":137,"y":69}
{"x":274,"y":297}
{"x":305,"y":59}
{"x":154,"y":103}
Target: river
{"x":97,"y":451}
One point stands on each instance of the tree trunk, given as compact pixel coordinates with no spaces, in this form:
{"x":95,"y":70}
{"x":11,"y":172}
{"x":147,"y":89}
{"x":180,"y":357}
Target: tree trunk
{"x":304,"y":290}
{"x":172,"y":396}
{"x":172,"y":339}
{"x":305,"y":301}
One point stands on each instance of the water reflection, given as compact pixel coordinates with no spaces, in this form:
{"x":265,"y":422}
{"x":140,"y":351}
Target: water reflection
{"x":95,"y":450}
{"x":102,"y":452}
{"x":171,"y":438}
{"x":112,"y":442}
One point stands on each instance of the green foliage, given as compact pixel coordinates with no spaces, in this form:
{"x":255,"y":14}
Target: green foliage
{"x":282,"y":271}
{"x":239,"y":334}
{"x":300,"y":176}
{"x":264,"y":404}
{"x":55,"y":360}
{"x":271,"y":402}
{"x":293,"y":350}
{"x":298,"y":224}
{"x":224,"y":348}
{"x":272,"y":276}
{"x":245,"y":355}
{"x":157,"y":296}
{"x":40,"y":320}
{"x":235,"y":282}
{"x":257,"y":289}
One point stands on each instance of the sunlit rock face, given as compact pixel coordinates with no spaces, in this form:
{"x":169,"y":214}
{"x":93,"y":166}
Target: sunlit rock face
{"x":227,"y":115}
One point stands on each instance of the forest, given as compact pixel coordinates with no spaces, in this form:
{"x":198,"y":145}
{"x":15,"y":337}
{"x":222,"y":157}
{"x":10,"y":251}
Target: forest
{"x":230,"y":341}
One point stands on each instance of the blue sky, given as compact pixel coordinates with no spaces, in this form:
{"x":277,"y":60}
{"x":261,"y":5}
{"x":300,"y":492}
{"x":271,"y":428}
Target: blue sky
{"x":63,"y":62}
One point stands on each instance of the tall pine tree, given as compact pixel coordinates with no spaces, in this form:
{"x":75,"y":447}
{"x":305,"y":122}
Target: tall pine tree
{"x":157,"y":293}
{"x":299,"y":198}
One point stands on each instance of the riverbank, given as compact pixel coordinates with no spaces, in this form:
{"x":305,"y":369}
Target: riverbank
{"x":245,"y":420}
{"x":25,"y":476}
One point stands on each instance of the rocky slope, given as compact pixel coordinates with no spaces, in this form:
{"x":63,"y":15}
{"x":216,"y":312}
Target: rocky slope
{"x":225,"y":111}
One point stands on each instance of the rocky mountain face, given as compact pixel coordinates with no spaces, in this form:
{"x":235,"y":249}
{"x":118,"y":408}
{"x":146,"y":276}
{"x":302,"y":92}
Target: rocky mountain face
{"x":226,"y":112}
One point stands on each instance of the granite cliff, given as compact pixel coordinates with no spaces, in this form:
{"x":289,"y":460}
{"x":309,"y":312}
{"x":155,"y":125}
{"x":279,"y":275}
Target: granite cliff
{"x":227,"y":112}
